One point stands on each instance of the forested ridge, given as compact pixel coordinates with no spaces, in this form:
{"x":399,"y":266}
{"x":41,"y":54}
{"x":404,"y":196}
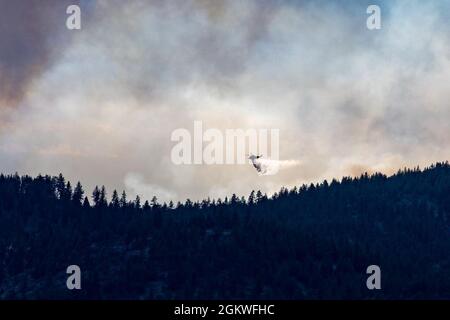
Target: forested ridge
{"x":310,"y":242}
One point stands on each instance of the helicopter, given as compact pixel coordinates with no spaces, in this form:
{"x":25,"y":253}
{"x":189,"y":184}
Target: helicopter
{"x":257,"y":163}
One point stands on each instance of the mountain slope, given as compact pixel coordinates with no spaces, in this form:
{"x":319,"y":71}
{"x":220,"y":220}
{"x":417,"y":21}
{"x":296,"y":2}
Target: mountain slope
{"x":314,"y":242}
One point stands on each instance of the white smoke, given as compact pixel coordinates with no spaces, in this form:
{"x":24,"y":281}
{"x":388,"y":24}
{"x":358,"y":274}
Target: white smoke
{"x":267,"y":167}
{"x":136,"y":185}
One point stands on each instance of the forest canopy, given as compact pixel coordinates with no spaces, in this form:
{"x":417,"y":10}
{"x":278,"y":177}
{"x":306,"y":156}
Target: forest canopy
{"x":310,"y":242}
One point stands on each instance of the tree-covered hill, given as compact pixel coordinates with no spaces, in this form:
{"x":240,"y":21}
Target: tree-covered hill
{"x":312,"y":242}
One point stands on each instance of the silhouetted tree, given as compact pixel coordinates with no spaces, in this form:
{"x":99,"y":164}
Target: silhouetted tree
{"x":96,"y":196}
{"x":103,"y":202}
{"x":154,"y":202}
{"x":251,"y":197}
{"x":137,"y":202}
{"x":78,"y":193}
{"x":310,"y":242}
{"x":115,"y":200}
{"x":86,"y":203}
{"x":123,"y":200}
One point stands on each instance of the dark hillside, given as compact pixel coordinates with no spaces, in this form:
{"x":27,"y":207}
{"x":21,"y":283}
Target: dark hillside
{"x":312,"y":242}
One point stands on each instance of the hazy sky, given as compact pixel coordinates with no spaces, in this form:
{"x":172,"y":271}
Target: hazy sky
{"x":99,"y":104}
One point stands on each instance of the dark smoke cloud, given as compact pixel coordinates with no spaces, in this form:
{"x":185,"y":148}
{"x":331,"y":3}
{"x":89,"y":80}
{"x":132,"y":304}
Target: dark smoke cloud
{"x":32,"y":34}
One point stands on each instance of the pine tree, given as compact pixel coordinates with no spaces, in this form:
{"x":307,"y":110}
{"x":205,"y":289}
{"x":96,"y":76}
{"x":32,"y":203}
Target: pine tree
{"x":115,"y":200}
{"x":96,"y":196}
{"x":234,"y":199}
{"x":259,"y":196}
{"x":146,"y":206}
{"x":251,"y":197}
{"x":78,"y":194}
{"x":137,"y":202}
{"x":86,"y":203}
{"x":67,"y":196}
{"x":60,"y":185}
{"x":123,"y":200}
{"x":154,"y":202}
{"x":103,"y":202}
